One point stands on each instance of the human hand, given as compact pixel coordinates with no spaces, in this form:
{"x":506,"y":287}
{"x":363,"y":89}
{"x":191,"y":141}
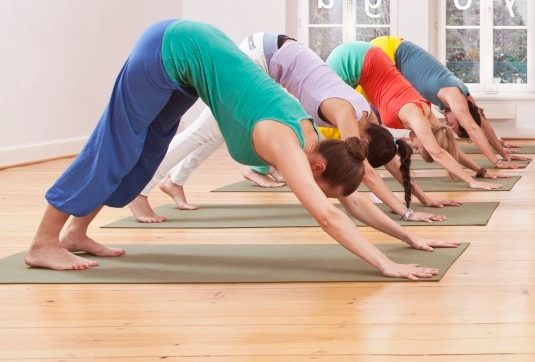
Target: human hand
{"x":425,"y":216}
{"x":505,"y":164}
{"x":428,"y":244}
{"x":516,"y":157}
{"x":441,"y":203}
{"x":407,"y":271}
{"x":484,"y":185}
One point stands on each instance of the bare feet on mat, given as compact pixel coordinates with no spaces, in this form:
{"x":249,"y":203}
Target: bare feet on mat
{"x":53,"y":256}
{"x":276,"y":174}
{"x":176,"y":192}
{"x":259,"y":179}
{"x":143,"y":212}
{"x":74,"y":242}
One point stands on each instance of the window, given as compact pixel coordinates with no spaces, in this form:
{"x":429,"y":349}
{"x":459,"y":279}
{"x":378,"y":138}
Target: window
{"x":325,"y":24}
{"x":485,"y":43}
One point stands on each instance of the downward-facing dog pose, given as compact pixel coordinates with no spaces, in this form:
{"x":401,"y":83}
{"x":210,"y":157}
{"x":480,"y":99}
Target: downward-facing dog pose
{"x":331,"y":103}
{"x":441,"y":87}
{"x":172,"y":63}
{"x":360,"y":64}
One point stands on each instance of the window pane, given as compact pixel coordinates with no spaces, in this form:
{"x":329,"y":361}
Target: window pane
{"x":367,"y":34}
{"x":516,"y":15}
{"x":323,"y":40}
{"x":462,"y":53}
{"x":373,"y":12}
{"x":457,"y":15}
{"x":510,"y":56}
{"x":325,"y":11}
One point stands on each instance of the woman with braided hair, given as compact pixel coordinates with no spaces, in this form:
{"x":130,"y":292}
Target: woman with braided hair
{"x":442,"y":88}
{"x":362,"y":65}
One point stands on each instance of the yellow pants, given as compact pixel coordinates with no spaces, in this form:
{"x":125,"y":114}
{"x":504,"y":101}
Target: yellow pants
{"x":330,"y":132}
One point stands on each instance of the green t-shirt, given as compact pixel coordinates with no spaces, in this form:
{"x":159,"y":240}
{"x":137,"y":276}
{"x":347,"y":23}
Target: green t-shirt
{"x":237,"y":91}
{"x":347,"y":61}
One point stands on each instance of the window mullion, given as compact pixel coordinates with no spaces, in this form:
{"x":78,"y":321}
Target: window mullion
{"x":350,"y":20}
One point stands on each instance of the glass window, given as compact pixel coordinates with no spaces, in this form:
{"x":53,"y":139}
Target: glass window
{"x":326,"y":24}
{"x":485,"y":42}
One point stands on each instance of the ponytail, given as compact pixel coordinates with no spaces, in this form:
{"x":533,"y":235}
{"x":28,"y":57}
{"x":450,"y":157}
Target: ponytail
{"x":446,"y":140}
{"x":382,"y":149}
{"x":404,"y":151}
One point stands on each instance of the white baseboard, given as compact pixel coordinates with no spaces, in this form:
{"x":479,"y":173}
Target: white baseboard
{"x":23,"y":154}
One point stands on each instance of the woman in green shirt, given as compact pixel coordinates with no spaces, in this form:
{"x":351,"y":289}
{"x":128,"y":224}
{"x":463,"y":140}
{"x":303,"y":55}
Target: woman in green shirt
{"x":172,"y":63}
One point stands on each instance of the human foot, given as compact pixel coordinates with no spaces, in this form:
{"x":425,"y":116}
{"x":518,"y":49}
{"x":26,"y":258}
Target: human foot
{"x":260,"y":180}
{"x":143,"y":212}
{"x":74,"y":242}
{"x":57,"y":258}
{"x":176,"y":192}
{"x":276,"y":174}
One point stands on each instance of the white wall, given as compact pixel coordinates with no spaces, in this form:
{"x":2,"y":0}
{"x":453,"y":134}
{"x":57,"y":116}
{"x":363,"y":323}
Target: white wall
{"x":59,"y":61}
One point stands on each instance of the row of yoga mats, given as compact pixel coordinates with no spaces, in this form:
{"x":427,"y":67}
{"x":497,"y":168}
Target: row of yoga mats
{"x":290,"y":215}
{"x":419,"y":164}
{"x":260,"y":263}
{"x":472,"y":149}
{"x":233,"y":263}
{"x":428,"y":184}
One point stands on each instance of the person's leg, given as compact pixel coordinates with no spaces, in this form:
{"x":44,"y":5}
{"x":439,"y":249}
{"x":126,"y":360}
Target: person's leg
{"x":207,"y":132}
{"x":261,"y":176}
{"x":75,"y":238}
{"x":202,"y":131}
{"x":141,"y":91}
{"x":46,"y":251}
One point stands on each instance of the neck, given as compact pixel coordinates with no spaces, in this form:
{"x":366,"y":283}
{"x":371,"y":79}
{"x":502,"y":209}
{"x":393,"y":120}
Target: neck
{"x":310,"y":136}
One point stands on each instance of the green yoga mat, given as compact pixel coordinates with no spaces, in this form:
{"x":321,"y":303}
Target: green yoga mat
{"x":442,"y":183}
{"x":230,"y":264}
{"x":289,"y":215}
{"x":419,"y":164}
{"x":472,"y":149}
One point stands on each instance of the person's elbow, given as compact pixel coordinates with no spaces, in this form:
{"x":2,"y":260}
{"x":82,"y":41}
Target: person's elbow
{"x":327,"y":219}
{"x":437,"y":153}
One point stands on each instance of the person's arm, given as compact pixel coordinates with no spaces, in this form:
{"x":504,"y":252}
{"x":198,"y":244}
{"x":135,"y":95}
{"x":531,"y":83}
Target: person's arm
{"x":414,"y":120}
{"x":393,"y":168}
{"x":378,"y":187}
{"x":469,"y":163}
{"x":496,"y":142}
{"x":363,"y":209}
{"x":341,"y":114}
{"x":277,"y":145}
{"x":459,"y":107}
{"x":493,"y":138}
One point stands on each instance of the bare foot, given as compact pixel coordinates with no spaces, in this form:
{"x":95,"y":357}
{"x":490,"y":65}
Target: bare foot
{"x":74,"y":242}
{"x":260,"y":180}
{"x":276,"y":174}
{"x":57,"y":258}
{"x":176,"y":192}
{"x":143,"y":212}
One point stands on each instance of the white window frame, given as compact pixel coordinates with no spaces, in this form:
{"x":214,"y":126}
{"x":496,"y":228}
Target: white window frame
{"x":349,"y":25}
{"x":486,"y":86}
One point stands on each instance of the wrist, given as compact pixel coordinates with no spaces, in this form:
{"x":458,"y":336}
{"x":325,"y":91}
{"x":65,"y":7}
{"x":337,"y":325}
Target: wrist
{"x":407,"y":214}
{"x":498,"y":161}
{"x":406,"y":238}
{"x":481,"y":172}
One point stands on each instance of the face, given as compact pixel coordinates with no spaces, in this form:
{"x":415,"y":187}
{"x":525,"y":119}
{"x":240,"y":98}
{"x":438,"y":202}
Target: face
{"x":328,"y":190}
{"x":452,"y":121}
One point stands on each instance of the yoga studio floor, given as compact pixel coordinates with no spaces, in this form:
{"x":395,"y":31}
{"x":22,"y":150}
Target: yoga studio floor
{"x":482,"y":310}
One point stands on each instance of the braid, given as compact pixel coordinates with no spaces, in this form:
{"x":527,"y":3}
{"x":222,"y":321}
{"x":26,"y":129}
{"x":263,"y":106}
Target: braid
{"x":405,"y":151}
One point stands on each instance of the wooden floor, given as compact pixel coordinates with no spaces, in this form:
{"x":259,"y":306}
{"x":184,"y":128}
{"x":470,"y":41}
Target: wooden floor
{"x":483,"y":309}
